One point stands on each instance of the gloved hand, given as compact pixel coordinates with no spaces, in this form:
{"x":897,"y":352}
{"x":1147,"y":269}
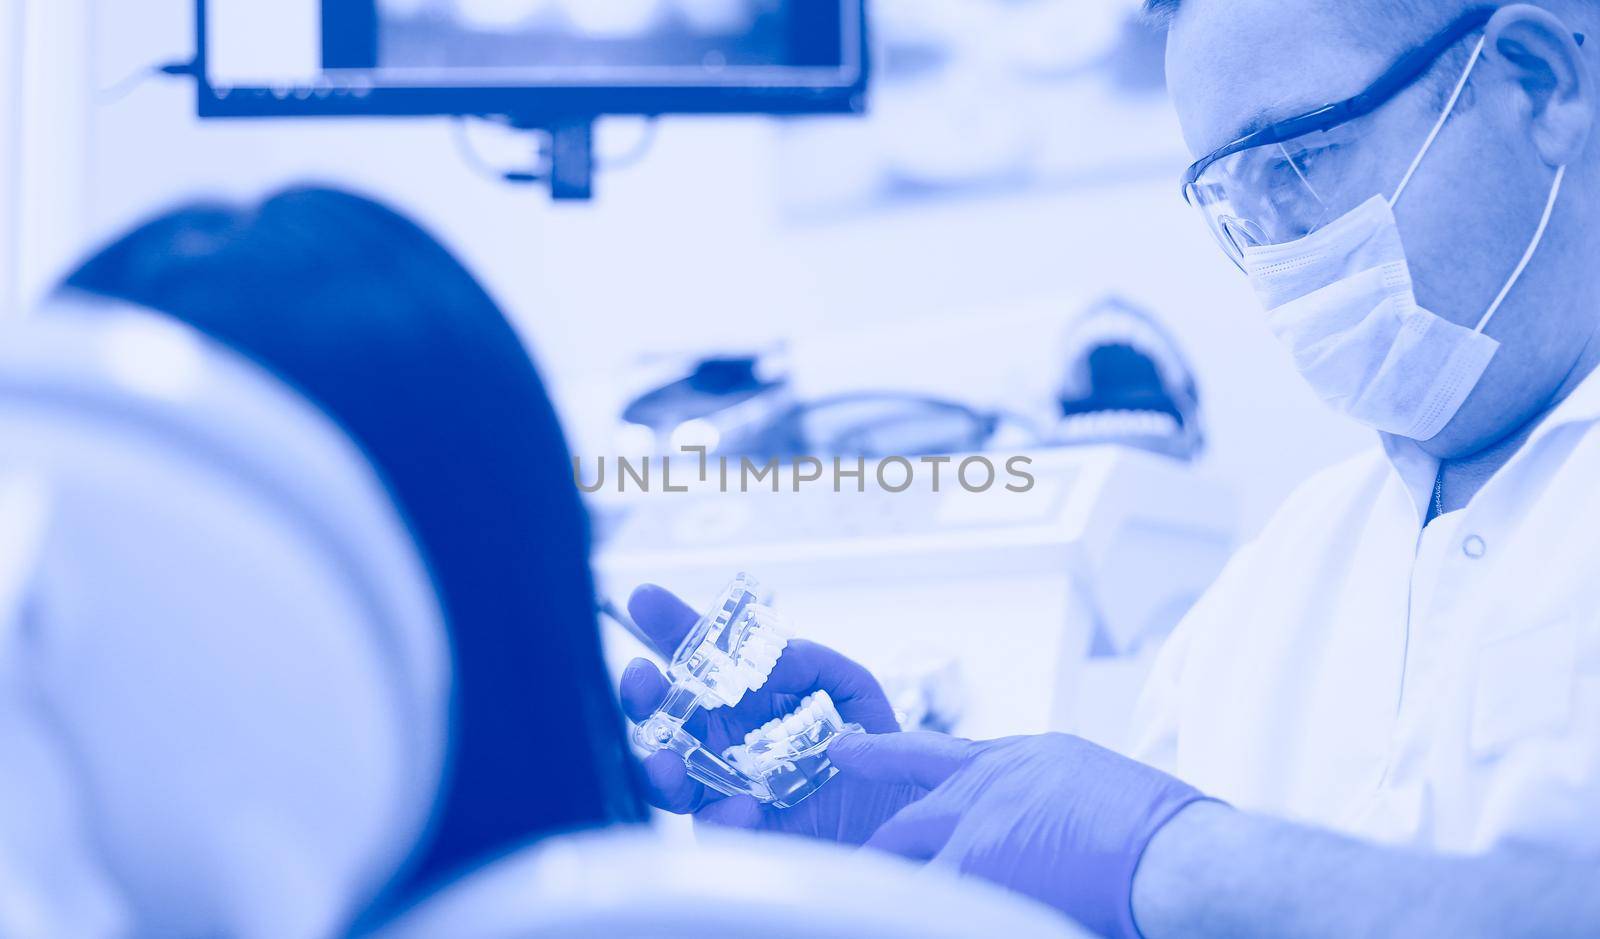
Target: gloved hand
{"x":1052,"y":816}
{"x":843,"y":810}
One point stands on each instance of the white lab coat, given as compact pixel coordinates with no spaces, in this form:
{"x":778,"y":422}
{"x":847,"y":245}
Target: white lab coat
{"x":1436,"y":687}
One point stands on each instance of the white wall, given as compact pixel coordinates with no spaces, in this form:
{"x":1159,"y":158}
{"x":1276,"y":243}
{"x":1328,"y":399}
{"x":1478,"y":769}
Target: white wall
{"x":692,"y":247}
{"x":44,"y":123}
{"x":11,"y":46}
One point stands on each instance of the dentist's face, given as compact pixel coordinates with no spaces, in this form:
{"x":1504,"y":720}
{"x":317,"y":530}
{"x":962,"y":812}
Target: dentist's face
{"x":1467,"y":215}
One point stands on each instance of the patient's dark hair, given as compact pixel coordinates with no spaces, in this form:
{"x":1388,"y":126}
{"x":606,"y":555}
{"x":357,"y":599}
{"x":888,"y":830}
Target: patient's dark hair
{"x":374,"y":321}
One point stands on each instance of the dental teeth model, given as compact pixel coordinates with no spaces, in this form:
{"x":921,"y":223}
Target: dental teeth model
{"x":790,"y":754}
{"x":730,"y":651}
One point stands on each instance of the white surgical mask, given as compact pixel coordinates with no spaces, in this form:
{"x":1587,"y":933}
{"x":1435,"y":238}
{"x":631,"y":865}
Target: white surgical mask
{"x":1341,"y":299}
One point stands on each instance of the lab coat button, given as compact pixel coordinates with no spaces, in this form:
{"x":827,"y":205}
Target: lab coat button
{"x":1474,"y":547}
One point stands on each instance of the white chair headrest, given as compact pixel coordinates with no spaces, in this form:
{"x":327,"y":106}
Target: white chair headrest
{"x":229,"y":631}
{"x":645,"y":884}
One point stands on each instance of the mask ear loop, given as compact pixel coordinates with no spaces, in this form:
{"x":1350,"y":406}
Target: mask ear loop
{"x":1533,"y":246}
{"x":1549,"y":206}
{"x":1449,"y":108}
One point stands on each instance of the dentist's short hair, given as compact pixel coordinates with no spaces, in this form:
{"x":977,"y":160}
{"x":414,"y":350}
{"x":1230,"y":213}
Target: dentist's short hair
{"x":1162,"y":12}
{"x":1374,"y":21}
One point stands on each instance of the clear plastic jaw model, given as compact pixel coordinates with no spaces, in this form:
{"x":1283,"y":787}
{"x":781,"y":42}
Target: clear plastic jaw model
{"x":731,"y":651}
{"x":790,"y":754}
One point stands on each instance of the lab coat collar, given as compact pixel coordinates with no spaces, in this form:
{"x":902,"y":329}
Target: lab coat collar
{"x":1417,"y":470}
{"x":1581,"y":405}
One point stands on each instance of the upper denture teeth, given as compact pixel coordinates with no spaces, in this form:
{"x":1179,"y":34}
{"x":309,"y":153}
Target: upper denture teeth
{"x":759,"y":654}
{"x":777,"y":624}
{"x":824,"y":703}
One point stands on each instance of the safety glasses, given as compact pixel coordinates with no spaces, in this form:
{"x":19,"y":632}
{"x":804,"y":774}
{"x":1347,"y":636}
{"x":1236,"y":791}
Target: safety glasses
{"x":1286,"y":180}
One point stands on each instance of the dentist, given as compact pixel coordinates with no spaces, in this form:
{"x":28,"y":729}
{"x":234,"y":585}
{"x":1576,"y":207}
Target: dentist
{"x":1385,"y":715}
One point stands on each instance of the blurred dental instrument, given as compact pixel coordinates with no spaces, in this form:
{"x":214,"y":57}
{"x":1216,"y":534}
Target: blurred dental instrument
{"x":715,"y":402}
{"x":877,"y":424}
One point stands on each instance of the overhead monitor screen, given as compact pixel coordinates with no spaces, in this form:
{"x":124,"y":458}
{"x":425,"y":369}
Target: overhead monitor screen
{"x":504,"y":56}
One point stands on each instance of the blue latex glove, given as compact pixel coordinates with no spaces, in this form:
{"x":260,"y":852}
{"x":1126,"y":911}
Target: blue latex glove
{"x":1053,"y":816}
{"x":843,"y":810}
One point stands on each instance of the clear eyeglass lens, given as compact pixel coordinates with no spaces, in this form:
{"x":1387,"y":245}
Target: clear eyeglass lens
{"x":1242,"y":234}
{"x":1279,"y":193}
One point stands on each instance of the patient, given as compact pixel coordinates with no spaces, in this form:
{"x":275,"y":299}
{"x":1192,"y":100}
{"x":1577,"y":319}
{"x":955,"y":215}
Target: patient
{"x":380,"y":327}
{"x":262,"y":465}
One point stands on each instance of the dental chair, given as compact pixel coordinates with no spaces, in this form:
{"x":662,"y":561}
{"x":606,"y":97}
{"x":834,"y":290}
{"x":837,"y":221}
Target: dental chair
{"x":224,"y":688}
{"x":655,"y":885}
{"x":224,"y":685}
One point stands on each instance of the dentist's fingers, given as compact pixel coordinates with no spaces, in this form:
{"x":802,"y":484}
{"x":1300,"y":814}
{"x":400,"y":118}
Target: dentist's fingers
{"x":733,"y":812}
{"x":917,"y":758}
{"x":919,"y":831}
{"x":643,"y":688}
{"x":806,"y":666}
{"x":670,"y":787}
{"x":663,"y":618}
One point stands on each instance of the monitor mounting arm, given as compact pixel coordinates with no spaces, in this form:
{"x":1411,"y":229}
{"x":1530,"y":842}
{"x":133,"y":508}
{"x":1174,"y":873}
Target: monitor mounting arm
{"x":566,"y":155}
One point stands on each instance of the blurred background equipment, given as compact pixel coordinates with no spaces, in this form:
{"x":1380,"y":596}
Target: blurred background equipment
{"x":1128,"y":382}
{"x":723,"y":400}
{"x":553,"y":66}
{"x":879,"y":424}
{"x":926,"y":689}
{"x":985,"y":97}
{"x":867,"y":424}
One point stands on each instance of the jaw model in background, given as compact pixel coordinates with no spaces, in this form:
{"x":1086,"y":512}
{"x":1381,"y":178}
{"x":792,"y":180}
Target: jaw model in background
{"x":730,"y":651}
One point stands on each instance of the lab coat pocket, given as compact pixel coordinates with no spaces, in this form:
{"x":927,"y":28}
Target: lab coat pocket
{"x":1523,"y":685}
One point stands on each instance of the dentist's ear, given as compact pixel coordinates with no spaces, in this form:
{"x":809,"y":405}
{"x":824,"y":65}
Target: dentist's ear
{"x":1549,"y":64}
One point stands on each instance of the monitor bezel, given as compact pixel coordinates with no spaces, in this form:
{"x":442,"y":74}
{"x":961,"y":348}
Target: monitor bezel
{"x":356,"y":95}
